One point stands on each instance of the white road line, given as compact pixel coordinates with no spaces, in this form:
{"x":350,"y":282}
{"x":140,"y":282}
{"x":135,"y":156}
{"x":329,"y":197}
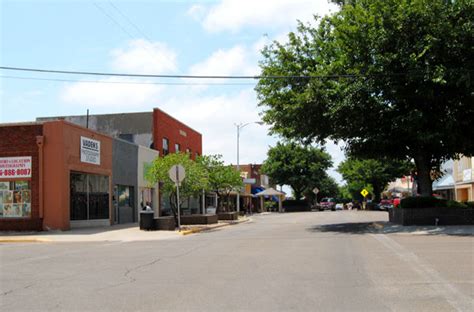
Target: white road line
{"x":453,"y":296}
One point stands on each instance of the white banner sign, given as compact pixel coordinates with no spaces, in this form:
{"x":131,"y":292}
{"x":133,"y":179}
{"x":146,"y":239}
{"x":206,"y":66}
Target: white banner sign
{"x":90,"y":151}
{"x":467,"y":175}
{"x":15,"y":167}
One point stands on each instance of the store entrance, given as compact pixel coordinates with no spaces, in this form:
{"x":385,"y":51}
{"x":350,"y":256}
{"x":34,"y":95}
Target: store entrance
{"x":89,"y":198}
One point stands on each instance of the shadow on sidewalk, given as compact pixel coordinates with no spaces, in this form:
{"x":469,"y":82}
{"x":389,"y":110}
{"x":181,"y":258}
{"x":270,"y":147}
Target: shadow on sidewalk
{"x":77,"y":231}
{"x":391,"y":228}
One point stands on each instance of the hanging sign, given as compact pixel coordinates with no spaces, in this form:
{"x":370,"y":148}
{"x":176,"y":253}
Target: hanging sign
{"x":15,"y":167}
{"x":90,"y":151}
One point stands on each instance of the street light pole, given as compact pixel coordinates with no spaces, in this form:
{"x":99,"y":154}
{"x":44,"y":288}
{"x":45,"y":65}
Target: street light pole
{"x":239,"y":127}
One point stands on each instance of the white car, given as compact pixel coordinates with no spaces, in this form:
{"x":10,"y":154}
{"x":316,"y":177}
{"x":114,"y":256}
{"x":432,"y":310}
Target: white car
{"x":339,"y":206}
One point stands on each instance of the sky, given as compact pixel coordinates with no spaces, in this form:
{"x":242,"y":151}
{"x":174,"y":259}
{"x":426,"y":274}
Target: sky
{"x":149,"y":37}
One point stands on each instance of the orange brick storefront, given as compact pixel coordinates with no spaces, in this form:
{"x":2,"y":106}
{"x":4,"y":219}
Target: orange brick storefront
{"x":51,"y":197}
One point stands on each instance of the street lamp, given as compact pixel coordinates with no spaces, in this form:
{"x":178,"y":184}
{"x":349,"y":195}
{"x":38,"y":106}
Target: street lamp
{"x":239,"y":127}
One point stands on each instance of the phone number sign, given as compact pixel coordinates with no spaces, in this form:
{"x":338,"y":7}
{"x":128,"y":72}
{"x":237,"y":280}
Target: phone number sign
{"x":15,"y":167}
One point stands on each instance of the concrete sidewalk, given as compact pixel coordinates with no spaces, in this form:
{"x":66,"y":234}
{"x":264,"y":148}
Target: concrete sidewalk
{"x":124,"y":233}
{"x":392,"y":228}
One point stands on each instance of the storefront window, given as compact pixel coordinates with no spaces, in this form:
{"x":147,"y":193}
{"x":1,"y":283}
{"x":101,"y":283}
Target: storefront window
{"x":15,"y":199}
{"x":89,"y":196}
{"x":125,"y":194}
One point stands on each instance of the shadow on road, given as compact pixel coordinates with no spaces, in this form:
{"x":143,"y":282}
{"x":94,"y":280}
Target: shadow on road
{"x":390,"y":228}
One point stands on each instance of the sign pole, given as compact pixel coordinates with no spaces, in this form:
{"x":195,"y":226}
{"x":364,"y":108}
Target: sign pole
{"x":177,"y":199}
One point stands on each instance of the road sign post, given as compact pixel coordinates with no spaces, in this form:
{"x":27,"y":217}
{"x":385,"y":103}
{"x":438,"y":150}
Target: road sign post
{"x":364,"y":193}
{"x":177,"y":175}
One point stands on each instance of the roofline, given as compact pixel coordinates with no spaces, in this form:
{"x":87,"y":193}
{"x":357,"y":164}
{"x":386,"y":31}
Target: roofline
{"x":85,"y":115}
{"x":24,"y":123}
{"x":159,"y":109}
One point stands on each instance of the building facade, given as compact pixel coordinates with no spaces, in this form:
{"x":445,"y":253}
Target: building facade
{"x":172,"y":136}
{"x":55,"y":175}
{"x":463,"y":174}
{"x":132,"y":127}
{"x":157,"y":130}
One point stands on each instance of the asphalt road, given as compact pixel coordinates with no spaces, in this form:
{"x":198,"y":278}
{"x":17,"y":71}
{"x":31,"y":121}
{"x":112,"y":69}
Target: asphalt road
{"x":318,"y":261}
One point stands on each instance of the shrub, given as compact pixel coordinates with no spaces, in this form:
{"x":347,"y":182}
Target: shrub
{"x":296,"y":205}
{"x":422,"y":202}
{"x":470,"y":204}
{"x":455,"y":204}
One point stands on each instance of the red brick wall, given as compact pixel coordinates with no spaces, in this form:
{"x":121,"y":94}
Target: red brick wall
{"x":20,"y":140}
{"x":165,"y":126}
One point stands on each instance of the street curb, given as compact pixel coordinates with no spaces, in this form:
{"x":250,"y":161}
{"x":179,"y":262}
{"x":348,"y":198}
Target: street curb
{"x":25,"y":240}
{"x":198,"y":230}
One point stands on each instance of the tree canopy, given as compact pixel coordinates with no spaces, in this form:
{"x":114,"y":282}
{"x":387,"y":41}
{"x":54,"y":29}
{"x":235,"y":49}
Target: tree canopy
{"x":300,"y":167}
{"x":391,"y":78}
{"x":195,"y":181}
{"x":222,"y":179}
{"x":371,"y":173}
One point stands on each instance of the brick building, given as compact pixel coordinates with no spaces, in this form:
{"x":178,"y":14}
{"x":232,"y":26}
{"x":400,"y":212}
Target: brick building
{"x":171,"y":136}
{"x":54,"y":174}
{"x":157,"y":130}
{"x":20,"y":141}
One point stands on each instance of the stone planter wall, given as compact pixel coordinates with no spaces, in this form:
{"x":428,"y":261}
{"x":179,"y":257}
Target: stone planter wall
{"x":165,"y":224}
{"x":228,"y":215}
{"x":432,"y":216}
{"x":199,"y":219}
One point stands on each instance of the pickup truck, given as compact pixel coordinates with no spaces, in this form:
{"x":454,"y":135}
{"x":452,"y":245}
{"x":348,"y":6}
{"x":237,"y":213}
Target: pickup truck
{"x":327,"y":203}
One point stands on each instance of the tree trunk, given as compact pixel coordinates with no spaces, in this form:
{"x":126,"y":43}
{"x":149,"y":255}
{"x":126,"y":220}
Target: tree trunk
{"x":423,"y":175}
{"x":174,"y":208}
{"x":219,"y":204}
{"x":377,"y":191}
{"x":297,"y":193}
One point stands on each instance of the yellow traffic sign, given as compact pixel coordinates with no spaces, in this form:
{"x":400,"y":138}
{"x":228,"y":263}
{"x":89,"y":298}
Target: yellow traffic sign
{"x":364,"y":192}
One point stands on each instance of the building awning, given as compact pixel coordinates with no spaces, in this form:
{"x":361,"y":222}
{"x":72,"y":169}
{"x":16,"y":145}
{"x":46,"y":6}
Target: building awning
{"x":270,"y":192}
{"x":445,"y":183}
{"x":257,"y":189}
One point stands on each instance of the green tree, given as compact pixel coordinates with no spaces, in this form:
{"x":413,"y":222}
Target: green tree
{"x":391,"y":78}
{"x":222,"y":179}
{"x":300,"y":167}
{"x":195,"y":181}
{"x":344,"y":193}
{"x":360,"y":173}
{"x":327,"y":187}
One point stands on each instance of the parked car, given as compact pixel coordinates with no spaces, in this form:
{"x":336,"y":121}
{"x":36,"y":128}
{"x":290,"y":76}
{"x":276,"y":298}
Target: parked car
{"x":386,"y":204}
{"x":327,"y":203}
{"x":396,"y":202}
{"x":339,"y":206}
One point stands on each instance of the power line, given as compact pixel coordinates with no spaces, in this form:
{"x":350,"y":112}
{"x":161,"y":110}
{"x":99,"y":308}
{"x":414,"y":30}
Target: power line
{"x":148,"y":49}
{"x":69,"y":72}
{"x":168,"y":76}
{"x":131,"y":82}
{"x":113,"y":20}
{"x":129,"y":21}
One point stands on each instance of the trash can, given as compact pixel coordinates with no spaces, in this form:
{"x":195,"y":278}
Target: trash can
{"x":147,"y":221}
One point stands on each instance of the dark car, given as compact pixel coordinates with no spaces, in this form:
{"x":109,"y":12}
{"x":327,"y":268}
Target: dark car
{"x":327,"y":203}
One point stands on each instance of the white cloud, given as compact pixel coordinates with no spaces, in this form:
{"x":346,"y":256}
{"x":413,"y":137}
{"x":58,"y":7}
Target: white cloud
{"x":232,"y":15}
{"x":112,"y":94}
{"x":144,"y":57}
{"x":236,"y":60}
{"x":215,"y":116}
{"x":196,"y":11}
